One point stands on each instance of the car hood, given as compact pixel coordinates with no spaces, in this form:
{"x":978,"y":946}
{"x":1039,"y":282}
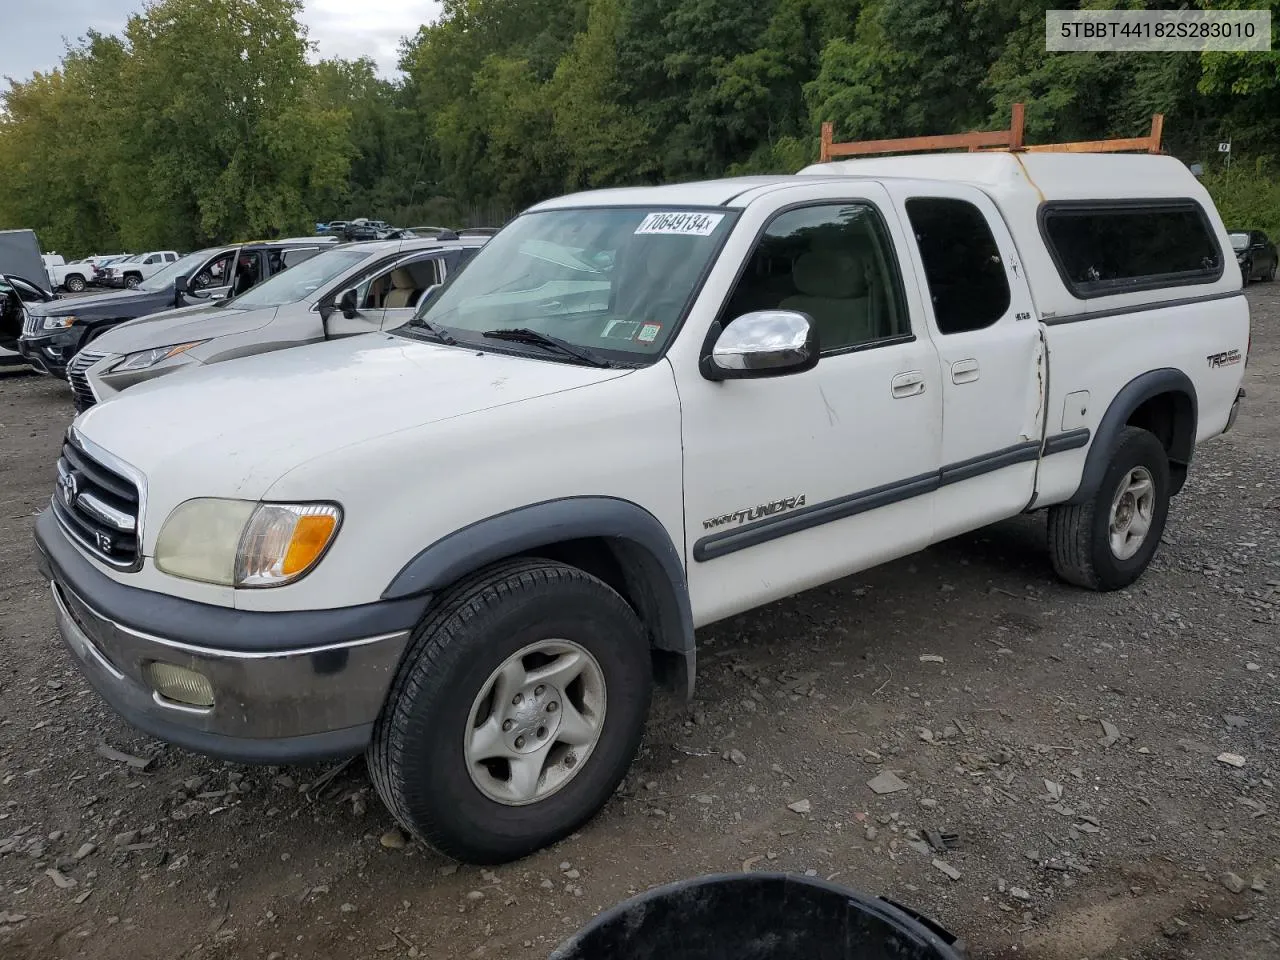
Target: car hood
{"x":100,"y":304}
{"x":201,"y":322}
{"x":233,"y":429}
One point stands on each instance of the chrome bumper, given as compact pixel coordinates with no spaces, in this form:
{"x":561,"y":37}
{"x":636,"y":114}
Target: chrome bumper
{"x":275,"y":707}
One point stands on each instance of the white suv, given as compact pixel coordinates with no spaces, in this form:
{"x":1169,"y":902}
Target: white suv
{"x":470,"y":545}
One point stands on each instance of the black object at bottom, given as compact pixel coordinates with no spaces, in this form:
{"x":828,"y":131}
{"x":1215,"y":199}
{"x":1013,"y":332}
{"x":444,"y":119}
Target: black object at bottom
{"x":758,"y":916}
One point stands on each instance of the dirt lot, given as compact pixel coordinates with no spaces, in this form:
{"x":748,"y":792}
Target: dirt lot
{"x":1068,"y":739}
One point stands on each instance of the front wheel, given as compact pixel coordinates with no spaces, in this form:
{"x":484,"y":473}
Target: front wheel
{"x":1272,"y":275}
{"x":1107,"y":542}
{"x":132,"y":280}
{"x":517,"y":710}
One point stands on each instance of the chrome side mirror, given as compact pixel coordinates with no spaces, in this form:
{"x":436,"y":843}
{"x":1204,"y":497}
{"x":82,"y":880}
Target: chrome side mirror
{"x":763,"y":343}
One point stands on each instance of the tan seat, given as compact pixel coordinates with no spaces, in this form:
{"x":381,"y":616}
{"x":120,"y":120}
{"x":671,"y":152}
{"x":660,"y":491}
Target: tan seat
{"x":404,"y":290}
{"x":833,"y":291}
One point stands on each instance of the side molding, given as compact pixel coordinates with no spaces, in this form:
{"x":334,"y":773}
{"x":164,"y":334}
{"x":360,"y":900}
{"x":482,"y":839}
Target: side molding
{"x":1131,"y":396}
{"x":650,"y":560}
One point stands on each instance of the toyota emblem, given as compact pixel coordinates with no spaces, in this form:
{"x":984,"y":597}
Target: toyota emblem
{"x":69,"y":490}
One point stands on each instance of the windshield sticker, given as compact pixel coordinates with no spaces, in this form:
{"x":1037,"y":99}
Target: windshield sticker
{"x":621,"y":330}
{"x":680,"y":224}
{"x":649,"y":333}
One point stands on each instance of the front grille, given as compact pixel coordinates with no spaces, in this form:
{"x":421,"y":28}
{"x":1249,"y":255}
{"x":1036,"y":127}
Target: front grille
{"x":97,"y":507}
{"x":30,"y":325}
{"x":79,"y":380}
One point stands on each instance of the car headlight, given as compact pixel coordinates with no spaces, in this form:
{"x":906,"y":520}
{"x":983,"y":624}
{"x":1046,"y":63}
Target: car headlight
{"x":149,"y":358}
{"x":237,"y":543}
{"x":57,"y":323}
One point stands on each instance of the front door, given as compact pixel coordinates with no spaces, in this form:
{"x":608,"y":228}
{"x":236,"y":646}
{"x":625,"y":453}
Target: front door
{"x":988,"y":339}
{"x":213,"y":280}
{"x":796,"y":480}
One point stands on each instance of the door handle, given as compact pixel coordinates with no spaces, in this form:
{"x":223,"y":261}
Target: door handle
{"x":964,"y":371}
{"x":909,"y":384}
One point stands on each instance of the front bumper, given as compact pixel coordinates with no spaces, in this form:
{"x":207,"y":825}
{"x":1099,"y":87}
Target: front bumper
{"x":49,"y":354}
{"x":288,"y":687}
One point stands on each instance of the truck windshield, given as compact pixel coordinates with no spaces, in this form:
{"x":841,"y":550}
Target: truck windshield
{"x":615,"y":280}
{"x":298,"y":283}
{"x":184,"y":265}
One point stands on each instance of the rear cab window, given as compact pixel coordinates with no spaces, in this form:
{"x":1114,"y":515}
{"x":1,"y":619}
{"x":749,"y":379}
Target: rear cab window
{"x":1106,"y":248}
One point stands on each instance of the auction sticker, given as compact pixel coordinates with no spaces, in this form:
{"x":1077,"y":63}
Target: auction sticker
{"x":649,"y":332}
{"x":691,"y":224}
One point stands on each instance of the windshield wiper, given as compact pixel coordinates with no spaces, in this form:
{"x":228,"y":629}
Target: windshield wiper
{"x":417,"y":323}
{"x":554,"y":344}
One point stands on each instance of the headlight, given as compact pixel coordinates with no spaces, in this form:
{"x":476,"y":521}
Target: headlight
{"x":57,"y":323}
{"x":149,"y":358}
{"x":241,"y":544}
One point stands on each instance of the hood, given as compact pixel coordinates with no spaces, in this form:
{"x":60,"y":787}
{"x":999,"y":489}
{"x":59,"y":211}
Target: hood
{"x":120,"y":303}
{"x":201,"y":322}
{"x":232,"y":429}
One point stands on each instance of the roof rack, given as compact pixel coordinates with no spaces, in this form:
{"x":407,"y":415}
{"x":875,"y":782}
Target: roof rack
{"x":1010,"y":140}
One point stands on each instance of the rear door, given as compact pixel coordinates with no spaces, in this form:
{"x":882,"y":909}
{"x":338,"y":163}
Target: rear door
{"x":985,"y":327}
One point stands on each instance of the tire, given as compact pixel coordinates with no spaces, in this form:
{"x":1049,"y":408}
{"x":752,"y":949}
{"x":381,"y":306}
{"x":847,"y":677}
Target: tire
{"x":1080,"y":536}
{"x":132,"y":280}
{"x":1272,"y":275}
{"x":74,"y":283}
{"x":419,"y":756}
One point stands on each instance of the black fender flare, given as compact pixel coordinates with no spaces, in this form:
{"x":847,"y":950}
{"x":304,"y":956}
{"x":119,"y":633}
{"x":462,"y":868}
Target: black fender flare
{"x":653,"y":565}
{"x":1131,"y":396}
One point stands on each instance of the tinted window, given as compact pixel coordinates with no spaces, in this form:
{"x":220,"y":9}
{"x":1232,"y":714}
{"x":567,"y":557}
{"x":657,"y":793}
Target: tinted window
{"x":962,"y":263}
{"x":1107,"y":249}
{"x":833,"y":262}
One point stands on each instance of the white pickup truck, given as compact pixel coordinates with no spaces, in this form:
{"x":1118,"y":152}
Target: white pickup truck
{"x":131,"y":271}
{"x":469,"y":546}
{"x":72,"y":276}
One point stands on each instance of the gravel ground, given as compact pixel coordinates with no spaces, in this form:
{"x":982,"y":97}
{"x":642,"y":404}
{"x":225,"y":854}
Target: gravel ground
{"x":1069,"y":740}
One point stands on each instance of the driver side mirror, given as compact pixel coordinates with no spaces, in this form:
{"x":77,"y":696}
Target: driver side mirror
{"x":763,"y":343}
{"x":347,"y":303}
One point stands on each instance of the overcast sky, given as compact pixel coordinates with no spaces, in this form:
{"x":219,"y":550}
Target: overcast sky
{"x":33,"y":33}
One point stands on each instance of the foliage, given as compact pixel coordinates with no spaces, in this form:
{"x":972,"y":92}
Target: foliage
{"x":205,"y":121}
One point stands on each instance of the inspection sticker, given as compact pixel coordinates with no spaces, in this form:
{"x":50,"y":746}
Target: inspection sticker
{"x":680,"y":224}
{"x":649,"y":332}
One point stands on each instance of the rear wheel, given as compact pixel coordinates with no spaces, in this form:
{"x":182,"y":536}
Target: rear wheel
{"x":74,"y":283}
{"x":1272,"y":275}
{"x":1107,"y":542}
{"x":517,"y":710}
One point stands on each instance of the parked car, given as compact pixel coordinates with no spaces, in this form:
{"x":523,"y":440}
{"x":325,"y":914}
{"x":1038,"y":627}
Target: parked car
{"x":16,"y":293}
{"x":337,"y":228}
{"x":364,"y":229}
{"x":132,"y":271}
{"x":469,"y":546}
{"x":1255,"y":253}
{"x":55,"y":333}
{"x":345,"y":290}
